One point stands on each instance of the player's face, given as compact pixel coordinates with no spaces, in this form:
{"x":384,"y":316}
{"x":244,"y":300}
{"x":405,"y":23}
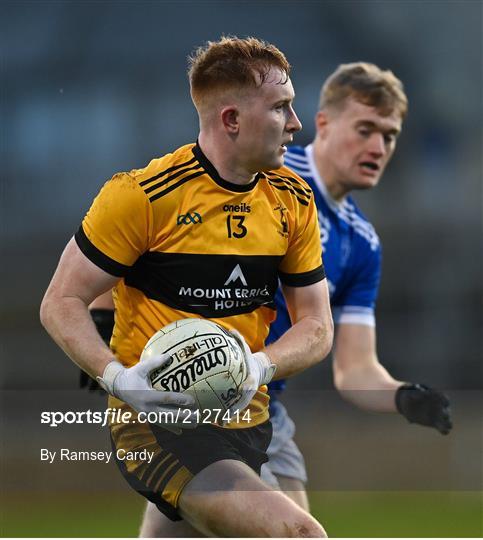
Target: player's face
{"x":267,"y":123}
{"x":358,"y":143}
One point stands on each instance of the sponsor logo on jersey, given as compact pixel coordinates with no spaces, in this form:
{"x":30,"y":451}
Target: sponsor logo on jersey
{"x":236,"y":274}
{"x":189,"y":219}
{"x":228,"y":297}
{"x":205,"y":284}
{"x":243,"y":208}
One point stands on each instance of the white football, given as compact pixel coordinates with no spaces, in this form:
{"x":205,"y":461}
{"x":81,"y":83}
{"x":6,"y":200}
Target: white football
{"x":206,"y":362}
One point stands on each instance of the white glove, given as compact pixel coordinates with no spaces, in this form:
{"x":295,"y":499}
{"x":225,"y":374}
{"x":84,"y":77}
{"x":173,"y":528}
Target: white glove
{"x":260,"y":371}
{"x":133,"y":386}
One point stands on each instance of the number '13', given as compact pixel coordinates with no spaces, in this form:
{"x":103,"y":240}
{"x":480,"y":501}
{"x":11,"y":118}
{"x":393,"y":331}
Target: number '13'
{"x":235,"y":227}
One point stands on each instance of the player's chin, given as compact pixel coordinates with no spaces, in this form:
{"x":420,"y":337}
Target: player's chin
{"x":276,"y":161}
{"x":366,"y":181}
{"x":272,"y":160}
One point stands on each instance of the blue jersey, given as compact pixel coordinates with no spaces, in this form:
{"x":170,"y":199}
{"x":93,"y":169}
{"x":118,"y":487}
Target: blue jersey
{"x":351,"y":254}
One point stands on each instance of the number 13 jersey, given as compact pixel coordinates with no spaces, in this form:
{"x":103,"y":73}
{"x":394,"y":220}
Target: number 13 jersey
{"x":187,"y":243}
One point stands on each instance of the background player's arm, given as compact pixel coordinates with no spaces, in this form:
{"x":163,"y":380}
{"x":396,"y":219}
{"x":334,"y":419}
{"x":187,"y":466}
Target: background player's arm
{"x":361,"y":379}
{"x":358,"y":375}
{"x":309,"y":340}
{"x":64,"y":314}
{"x":102,"y":313}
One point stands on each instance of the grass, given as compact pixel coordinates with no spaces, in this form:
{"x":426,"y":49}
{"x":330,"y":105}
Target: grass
{"x":400,"y":514}
{"x":346,"y":514}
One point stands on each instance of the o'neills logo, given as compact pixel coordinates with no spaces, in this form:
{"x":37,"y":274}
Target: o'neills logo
{"x":243,"y":207}
{"x":185,"y":375}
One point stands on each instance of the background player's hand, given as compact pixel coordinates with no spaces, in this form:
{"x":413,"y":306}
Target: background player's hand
{"x":104,"y":321}
{"x":85,"y":381}
{"x":426,"y":406}
{"x":133,"y":386}
{"x":260,"y":371}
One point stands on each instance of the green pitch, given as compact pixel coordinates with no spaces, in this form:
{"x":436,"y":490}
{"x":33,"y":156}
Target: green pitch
{"x":400,"y":514}
{"x":348,"y":514}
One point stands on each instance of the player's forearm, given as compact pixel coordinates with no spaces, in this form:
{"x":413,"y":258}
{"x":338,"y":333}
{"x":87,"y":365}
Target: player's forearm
{"x":306,"y":343}
{"x":368,"y":385}
{"x":68,"y":322}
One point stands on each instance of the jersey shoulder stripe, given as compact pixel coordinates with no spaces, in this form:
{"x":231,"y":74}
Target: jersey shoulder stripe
{"x":165,"y":174}
{"x":351,"y":214}
{"x":284,"y":179}
{"x":167,"y":171}
{"x":290,"y":190}
{"x":174,"y":186}
{"x":296,"y":159}
{"x":173,"y":176}
{"x":292,"y":182}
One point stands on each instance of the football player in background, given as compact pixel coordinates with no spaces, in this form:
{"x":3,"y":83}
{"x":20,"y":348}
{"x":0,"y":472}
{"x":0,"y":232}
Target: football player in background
{"x":360,"y":116}
{"x":131,"y":240}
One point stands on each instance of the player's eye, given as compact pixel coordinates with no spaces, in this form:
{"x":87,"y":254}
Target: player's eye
{"x":364,"y":132}
{"x":389,"y":138}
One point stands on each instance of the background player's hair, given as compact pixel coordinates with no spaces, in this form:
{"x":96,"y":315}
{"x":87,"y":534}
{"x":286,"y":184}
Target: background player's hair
{"x":366,"y":83}
{"x":233,"y":63}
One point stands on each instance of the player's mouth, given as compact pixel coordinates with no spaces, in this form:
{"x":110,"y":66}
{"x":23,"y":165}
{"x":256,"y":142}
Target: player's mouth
{"x":370,"y":167}
{"x":283,"y":146}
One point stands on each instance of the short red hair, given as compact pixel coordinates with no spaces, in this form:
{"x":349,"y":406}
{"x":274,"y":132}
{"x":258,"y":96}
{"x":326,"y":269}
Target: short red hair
{"x":233,"y":63}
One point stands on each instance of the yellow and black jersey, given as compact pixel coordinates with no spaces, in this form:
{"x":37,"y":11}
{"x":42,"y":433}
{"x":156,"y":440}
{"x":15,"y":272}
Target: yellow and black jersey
{"x":187,"y":243}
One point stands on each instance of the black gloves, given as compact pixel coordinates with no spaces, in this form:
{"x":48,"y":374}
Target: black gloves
{"x":423,"y":405}
{"x":104,"y":321}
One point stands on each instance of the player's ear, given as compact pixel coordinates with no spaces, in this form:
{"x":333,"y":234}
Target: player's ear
{"x":321,"y":122}
{"x":230,"y":119}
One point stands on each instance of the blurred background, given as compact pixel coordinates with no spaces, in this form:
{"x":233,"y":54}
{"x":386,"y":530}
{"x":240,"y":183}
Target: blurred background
{"x":95,"y":87}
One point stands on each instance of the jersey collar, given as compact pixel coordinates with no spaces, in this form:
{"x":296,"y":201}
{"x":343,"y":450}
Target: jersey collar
{"x":333,"y":204}
{"x":213,"y":173}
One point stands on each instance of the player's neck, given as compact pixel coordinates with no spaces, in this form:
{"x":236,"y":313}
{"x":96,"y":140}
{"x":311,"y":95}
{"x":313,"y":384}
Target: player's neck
{"x":226,"y":164}
{"x":327,"y":173}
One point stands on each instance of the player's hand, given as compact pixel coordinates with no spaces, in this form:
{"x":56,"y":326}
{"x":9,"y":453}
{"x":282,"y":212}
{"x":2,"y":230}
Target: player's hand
{"x":423,"y":405}
{"x":133,"y":386}
{"x":260,"y":371}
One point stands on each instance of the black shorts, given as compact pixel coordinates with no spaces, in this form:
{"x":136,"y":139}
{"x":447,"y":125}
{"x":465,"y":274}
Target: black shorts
{"x":176,"y":459}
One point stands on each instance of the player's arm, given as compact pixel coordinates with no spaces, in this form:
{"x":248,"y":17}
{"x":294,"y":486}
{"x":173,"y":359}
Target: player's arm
{"x":76,"y":283}
{"x":307,"y":342}
{"x":64,"y":314}
{"x":362,"y":380}
{"x":358,"y":374}
{"x":309,"y":339}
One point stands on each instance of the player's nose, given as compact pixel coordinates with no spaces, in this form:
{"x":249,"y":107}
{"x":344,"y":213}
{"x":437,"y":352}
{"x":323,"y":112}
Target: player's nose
{"x":377,"y":148}
{"x":293,"y":122}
